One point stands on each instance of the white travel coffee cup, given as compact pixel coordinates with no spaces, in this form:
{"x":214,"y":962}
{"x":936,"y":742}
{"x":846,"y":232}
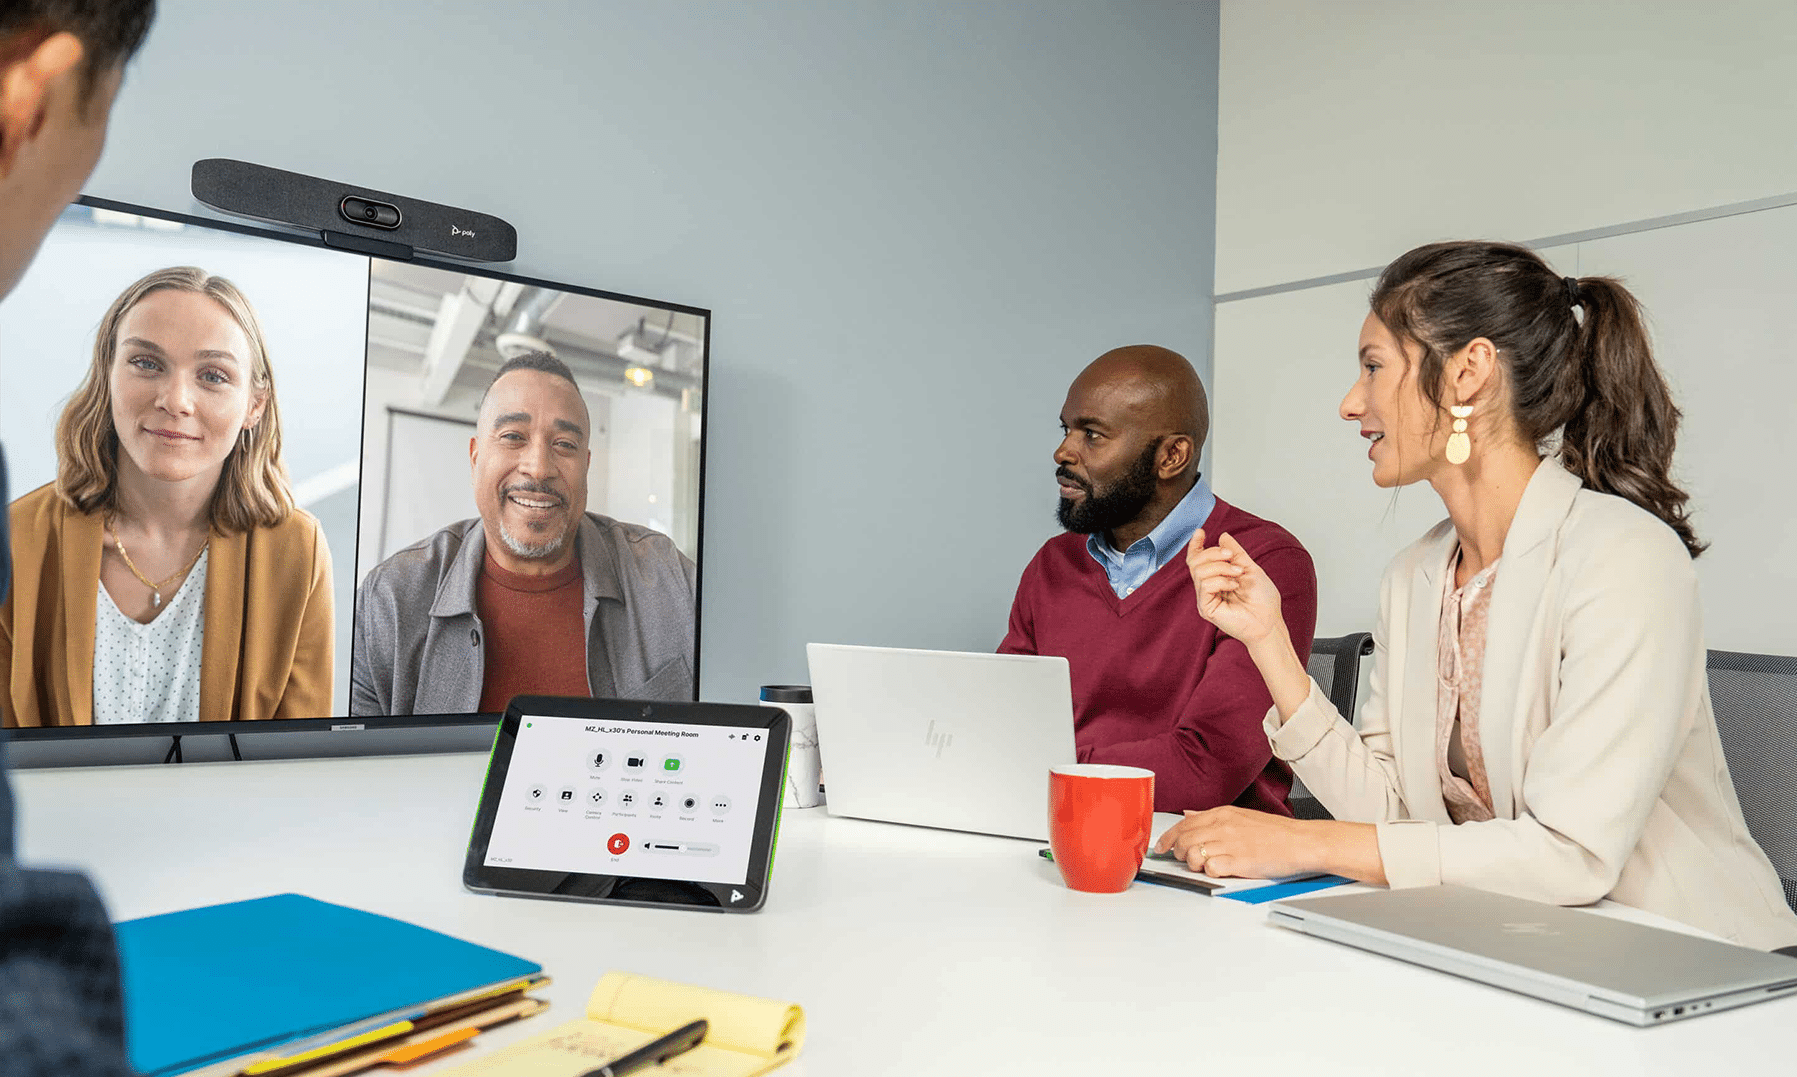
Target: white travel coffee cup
{"x":803,"y":764}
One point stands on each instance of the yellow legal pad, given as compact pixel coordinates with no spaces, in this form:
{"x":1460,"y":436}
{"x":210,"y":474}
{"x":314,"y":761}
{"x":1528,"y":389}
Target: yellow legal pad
{"x":748,"y":1035}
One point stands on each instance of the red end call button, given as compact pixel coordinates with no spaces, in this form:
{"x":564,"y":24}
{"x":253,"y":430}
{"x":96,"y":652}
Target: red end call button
{"x":619,"y":844}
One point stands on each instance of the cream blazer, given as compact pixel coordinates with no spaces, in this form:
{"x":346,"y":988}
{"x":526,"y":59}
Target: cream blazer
{"x":1607,"y":774}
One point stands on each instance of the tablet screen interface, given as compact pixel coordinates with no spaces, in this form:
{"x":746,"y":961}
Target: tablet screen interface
{"x":642,"y":799}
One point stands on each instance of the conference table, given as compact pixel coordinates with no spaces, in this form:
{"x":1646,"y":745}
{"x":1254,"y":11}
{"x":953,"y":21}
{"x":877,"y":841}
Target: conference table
{"x":913,"y":951}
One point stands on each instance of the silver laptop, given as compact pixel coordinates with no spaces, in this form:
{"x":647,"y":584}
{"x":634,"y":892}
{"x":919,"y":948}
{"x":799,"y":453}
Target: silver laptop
{"x":1616,"y":969}
{"x":941,"y":738}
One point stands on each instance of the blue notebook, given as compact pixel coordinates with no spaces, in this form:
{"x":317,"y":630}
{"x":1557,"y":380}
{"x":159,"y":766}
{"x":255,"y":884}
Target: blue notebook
{"x":209,"y":984}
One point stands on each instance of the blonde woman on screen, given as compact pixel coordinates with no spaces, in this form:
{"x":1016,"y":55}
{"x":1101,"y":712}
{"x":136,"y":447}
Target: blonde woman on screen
{"x":166,"y":575}
{"x":1538,"y":718}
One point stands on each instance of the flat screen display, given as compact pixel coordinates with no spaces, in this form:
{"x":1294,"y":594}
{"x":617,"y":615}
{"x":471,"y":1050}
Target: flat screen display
{"x":255,"y":478}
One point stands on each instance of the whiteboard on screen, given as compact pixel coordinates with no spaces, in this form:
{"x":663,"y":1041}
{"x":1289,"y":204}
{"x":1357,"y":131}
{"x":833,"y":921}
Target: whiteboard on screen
{"x":1720,"y":296}
{"x":427,"y":479}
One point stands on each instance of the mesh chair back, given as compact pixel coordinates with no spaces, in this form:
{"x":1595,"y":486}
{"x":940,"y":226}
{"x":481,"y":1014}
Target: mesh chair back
{"x":1755,"y":699}
{"x":1335,"y":663}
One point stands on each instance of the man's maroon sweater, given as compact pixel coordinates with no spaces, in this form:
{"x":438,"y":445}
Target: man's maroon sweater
{"x":1154,"y":684}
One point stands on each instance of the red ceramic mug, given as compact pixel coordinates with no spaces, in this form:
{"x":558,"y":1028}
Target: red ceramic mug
{"x":1098,"y":822}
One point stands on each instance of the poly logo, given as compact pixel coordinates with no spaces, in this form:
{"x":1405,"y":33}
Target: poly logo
{"x":455,"y":231}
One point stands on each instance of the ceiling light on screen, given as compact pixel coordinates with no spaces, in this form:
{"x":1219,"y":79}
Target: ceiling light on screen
{"x":640,"y":376}
{"x":511,"y":345}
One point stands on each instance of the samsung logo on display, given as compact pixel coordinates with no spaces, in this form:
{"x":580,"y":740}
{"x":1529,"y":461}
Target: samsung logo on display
{"x":455,"y":231}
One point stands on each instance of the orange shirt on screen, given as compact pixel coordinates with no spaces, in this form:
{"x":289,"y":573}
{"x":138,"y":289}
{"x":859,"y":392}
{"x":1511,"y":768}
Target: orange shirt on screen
{"x":536,"y":638}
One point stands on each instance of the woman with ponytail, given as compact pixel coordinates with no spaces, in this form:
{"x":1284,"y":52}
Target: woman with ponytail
{"x":1538,"y":717}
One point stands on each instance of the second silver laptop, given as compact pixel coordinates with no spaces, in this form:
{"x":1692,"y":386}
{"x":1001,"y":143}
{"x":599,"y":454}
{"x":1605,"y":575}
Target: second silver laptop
{"x":941,"y":738}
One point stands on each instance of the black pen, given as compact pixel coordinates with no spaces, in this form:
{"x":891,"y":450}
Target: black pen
{"x":655,"y":1052}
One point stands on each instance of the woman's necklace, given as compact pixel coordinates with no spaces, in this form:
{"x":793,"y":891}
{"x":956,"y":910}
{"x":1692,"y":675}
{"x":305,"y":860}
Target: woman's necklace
{"x":155,"y":588}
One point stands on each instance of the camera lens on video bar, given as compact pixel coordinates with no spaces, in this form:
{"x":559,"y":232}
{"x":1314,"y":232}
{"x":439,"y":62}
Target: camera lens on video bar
{"x":368,"y":211}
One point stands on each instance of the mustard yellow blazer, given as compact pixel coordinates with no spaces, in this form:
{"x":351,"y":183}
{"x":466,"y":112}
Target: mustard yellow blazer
{"x":268,"y":648}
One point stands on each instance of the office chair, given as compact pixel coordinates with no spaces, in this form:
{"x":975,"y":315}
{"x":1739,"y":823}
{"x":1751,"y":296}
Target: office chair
{"x":1335,"y":663}
{"x":1755,"y":699}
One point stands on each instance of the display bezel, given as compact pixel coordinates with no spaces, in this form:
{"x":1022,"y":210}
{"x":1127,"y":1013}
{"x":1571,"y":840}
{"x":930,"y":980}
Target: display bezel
{"x":347,"y":723}
{"x":557,"y":885}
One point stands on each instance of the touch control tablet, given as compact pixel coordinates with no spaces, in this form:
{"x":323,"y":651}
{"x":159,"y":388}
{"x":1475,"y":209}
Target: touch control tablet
{"x":632,"y":803}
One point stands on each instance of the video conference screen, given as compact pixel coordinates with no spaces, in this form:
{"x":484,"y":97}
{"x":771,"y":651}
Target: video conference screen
{"x":257,"y":478}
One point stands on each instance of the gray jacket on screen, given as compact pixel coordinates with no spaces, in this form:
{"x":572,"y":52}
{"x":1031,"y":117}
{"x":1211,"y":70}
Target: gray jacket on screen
{"x":418,"y":635}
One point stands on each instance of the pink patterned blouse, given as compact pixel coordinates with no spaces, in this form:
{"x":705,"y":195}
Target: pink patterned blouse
{"x":1460,"y":646}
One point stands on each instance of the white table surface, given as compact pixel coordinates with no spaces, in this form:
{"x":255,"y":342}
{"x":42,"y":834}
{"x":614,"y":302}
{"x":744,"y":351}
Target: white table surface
{"x":913,"y":951}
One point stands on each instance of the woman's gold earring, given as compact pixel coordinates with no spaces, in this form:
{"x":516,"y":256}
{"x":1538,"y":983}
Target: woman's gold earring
{"x":1459,"y":445}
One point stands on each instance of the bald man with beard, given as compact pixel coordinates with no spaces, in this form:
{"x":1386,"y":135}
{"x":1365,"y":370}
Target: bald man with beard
{"x":1155,"y":685}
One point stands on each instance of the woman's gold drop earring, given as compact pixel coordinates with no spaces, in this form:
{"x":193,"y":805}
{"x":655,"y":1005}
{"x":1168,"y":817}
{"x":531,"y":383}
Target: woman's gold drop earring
{"x":1459,"y":445}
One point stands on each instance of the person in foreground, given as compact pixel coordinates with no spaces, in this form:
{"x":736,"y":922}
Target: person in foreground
{"x":536,"y":595}
{"x":1114,"y":599}
{"x":1538,"y":718}
{"x":61,"y":61}
{"x":166,"y":575}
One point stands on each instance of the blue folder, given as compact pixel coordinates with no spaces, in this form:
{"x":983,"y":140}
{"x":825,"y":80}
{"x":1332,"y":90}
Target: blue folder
{"x":1263,"y":894}
{"x":208,"y":984}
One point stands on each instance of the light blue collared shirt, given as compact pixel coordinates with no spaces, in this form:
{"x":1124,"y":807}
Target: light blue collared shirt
{"x":1150,"y":553}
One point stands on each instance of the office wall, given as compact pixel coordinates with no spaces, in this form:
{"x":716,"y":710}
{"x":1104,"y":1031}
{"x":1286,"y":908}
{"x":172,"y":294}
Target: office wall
{"x":1620,"y":131}
{"x":1350,"y":132}
{"x":914,"y":223}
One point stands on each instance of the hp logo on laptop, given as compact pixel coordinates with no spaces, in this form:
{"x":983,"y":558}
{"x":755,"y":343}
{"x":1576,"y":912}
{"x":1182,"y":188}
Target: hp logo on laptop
{"x":1529,"y":929}
{"x":938,"y":741}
